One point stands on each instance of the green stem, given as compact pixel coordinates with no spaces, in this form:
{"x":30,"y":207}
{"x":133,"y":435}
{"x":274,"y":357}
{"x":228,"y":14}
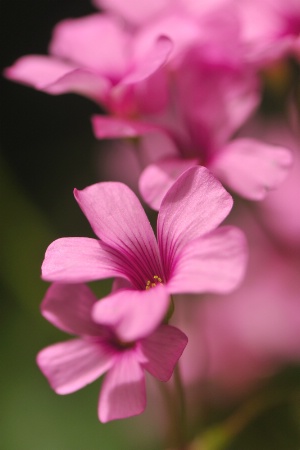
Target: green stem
{"x":170,"y":311}
{"x":172,"y":432}
{"x":176,"y":410}
{"x":176,"y":405}
{"x":136,"y":145}
{"x":220,"y":436}
{"x":181,"y":405}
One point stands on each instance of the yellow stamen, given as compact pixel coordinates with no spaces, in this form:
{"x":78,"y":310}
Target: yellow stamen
{"x":153,"y":283}
{"x":156,"y":277}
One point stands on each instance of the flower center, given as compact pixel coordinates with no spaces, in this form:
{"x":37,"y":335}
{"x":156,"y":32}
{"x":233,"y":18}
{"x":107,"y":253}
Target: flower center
{"x":152,"y":283}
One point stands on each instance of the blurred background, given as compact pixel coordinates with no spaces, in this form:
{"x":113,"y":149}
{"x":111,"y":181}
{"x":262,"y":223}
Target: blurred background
{"x":47,"y":149}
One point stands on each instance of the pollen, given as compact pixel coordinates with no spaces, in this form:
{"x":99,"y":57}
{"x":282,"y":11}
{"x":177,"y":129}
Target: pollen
{"x":152,"y":283}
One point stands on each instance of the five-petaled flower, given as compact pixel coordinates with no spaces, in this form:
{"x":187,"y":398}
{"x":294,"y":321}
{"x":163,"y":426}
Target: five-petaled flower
{"x":190,"y":255}
{"x":73,"y":364}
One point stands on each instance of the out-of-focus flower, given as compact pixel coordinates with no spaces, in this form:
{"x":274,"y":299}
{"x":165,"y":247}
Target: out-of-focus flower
{"x":190,"y":255}
{"x":96,"y":56}
{"x":250,"y":167}
{"x":280,"y":211}
{"x":209,"y":106}
{"x":270,"y":29}
{"x":98,"y":349}
{"x":183,"y":73}
{"x":142,"y":12}
{"x":213,"y":91}
{"x":208,"y":74}
{"x":240,"y":339}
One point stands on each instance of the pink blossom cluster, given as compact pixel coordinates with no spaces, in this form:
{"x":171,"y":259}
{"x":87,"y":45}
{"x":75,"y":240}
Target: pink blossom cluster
{"x":127,"y":332}
{"x":180,"y":80}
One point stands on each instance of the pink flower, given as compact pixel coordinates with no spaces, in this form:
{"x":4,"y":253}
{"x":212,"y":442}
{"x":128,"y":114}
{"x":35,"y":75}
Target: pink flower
{"x":133,"y":11}
{"x":213,"y":92}
{"x":96,"y":56}
{"x":213,"y":95}
{"x":98,"y":349}
{"x":143,"y":12}
{"x":190,"y":255}
{"x":252,"y":332}
{"x":208,"y":75}
{"x":248,"y":166}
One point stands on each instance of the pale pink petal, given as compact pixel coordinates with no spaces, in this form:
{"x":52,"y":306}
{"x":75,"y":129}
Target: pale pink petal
{"x":83,"y":82}
{"x":180,"y":29}
{"x":96,"y":42}
{"x":264,"y":53}
{"x":214,"y":102}
{"x":267,"y":22}
{"x":152,"y":93}
{"x":150,"y":61}
{"x":144,"y":97}
{"x":252,"y":168}
{"x":162,"y":349}
{"x":76,"y":260}
{"x":157,"y":146}
{"x":195,"y":205}
{"x":55,"y":77}
{"x":115,"y":127}
{"x":220,"y":41}
{"x":123,"y":392}
{"x":71,"y":365}
{"x":118,"y":219}
{"x":133,"y":314}
{"x":280,"y":211}
{"x":132,"y":10}
{"x":37,"y":70}
{"x":213,"y":263}
{"x":145,"y":88}
{"x":69,"y":308}
{"x":156,"y":179}
{"x":272,"y":36}
{"x":199,"y":9}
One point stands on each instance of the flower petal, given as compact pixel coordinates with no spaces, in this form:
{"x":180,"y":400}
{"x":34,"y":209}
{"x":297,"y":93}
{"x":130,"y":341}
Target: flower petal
{"x":96,"y":42}
{"x":144,"y":88}
{"x":115,"y":127}
{"x":157,"y":179}
{"x":133,"y":314}
{"x":132,"y":10}
{"x":77,"y":260}
{"x":56,"y":77}
{"x":199,"y":9}
{"x":252,"y":168}
{"x":162,"y":349}
{"x":69,"y":308}
{"x":117,"y":217}
{"x":150,"y":61}
{"x":195,"y":205}
{"x":123,"y":392}
{"x":83,"y":82}
{"x":37,"y":70}
{"x":71,"y":365}
{"x":181,"y":30}
{"x":213,"y":263}
{"x":215,"y":103}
